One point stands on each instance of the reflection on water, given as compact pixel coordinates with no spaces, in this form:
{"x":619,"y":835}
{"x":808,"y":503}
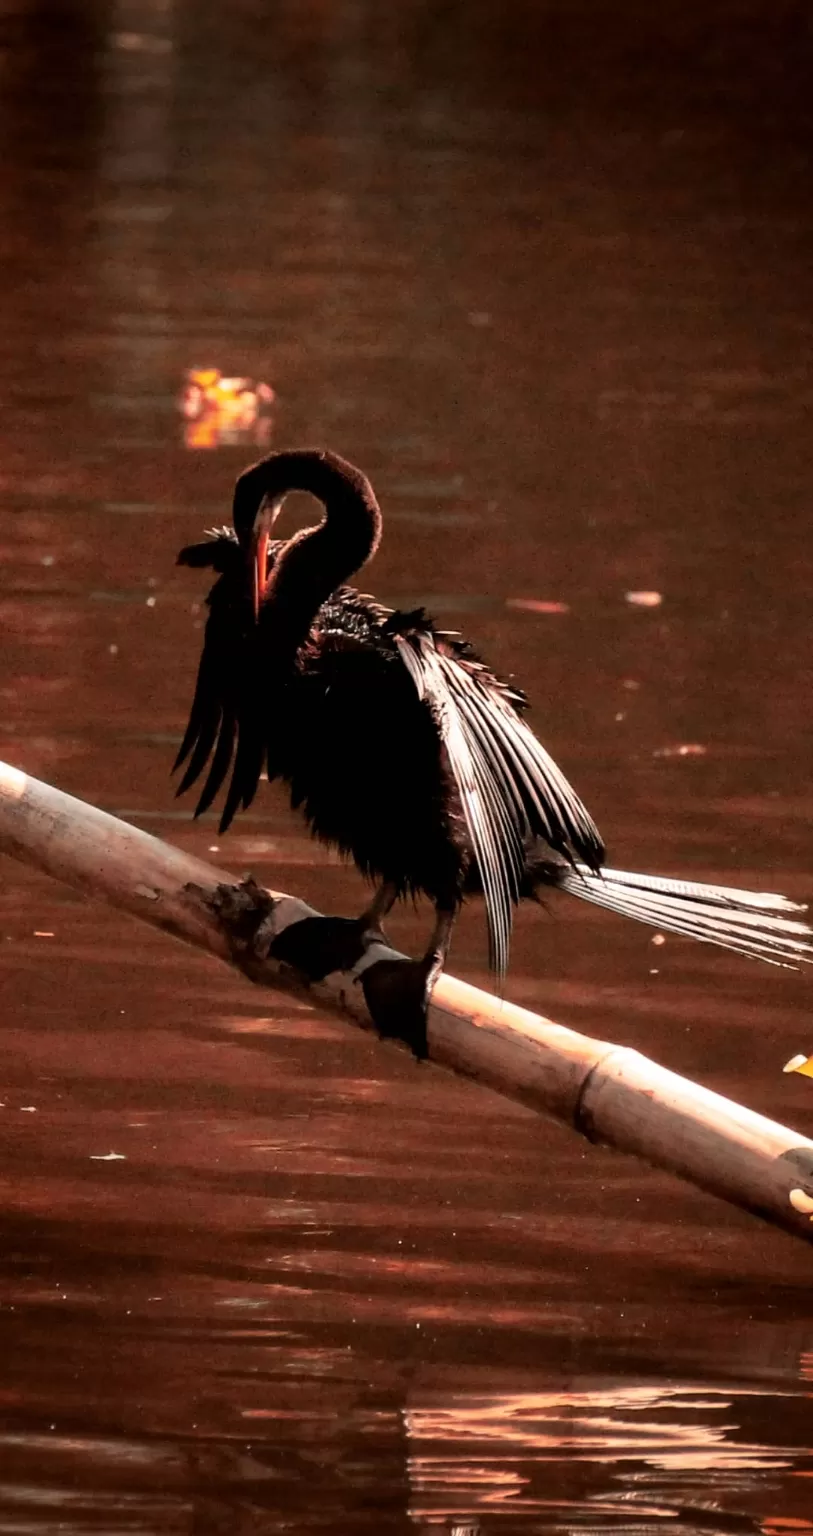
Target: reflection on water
{"x":612,"y":1459}
{"x":545,"y":274}
{"x":637,"y":1455}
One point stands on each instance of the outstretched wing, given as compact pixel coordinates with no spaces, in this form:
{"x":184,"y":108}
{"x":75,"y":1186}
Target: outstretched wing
{"x":225,"y":722}
{"x":510,"y":789}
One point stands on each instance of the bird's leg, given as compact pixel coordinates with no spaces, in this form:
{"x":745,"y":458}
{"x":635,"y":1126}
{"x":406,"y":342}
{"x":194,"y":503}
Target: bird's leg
{"x":398,"y":991}
{"x":435,"y":958}
{"x":381,"y":905}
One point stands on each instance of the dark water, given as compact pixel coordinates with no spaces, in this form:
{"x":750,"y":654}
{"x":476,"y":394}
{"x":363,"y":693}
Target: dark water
{"x":545,"y":271}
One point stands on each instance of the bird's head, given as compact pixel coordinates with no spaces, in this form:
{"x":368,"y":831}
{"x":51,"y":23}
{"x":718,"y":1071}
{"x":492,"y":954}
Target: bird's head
{"x":318,"y":559}
{"x":257,"y":549}
{"x":221,"y":551}
{"x":257,"y":504}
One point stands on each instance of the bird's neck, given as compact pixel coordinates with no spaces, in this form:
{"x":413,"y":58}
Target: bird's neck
{"x":318,"y":560}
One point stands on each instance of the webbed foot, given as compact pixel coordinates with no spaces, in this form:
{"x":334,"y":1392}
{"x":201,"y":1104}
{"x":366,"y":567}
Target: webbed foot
{"x":318,"y":945}
{"x":397,"y":993}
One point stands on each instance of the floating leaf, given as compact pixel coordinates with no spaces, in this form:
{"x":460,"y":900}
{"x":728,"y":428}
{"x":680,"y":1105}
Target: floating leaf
{"x":220,"y":411}
{"x":801,"y":1064}
{"x":683,"y":749}
{"x":644,"y":599}
{"x":536,"y":605}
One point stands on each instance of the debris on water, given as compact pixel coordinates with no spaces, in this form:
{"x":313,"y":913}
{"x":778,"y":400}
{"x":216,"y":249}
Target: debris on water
{"x":537,"y":605}
{"x":658,"y":939}
{"x":220,"y":411}
{"x":682,"y":749}
{"x":112,"y":650}
{"x":43,"y":933}
{"x":108,"y":1157}
{"x":644,"y":599}
{"x":801,"y":1064}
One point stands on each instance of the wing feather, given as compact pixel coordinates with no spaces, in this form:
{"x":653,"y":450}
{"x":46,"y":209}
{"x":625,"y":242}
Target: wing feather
{"x":494,"y":837}
{"x":249,"y":760}
{"x":204,"y":742}
{"x":510,"y":789}
{"x":220,"y":763}
{"x":224,"y":723}
{"x":542,"y":798}
{"x":204,"y":705}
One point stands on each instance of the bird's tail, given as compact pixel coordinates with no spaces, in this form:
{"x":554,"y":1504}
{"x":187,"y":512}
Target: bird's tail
{"x":751,"y":923}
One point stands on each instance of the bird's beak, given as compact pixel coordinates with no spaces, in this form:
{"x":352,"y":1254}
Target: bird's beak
{"x":260,"y":568}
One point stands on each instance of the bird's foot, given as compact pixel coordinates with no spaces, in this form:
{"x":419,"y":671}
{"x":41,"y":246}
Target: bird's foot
{"x":313,"y":945}
{"x":397,"y":993}
{"x":316,"y":946}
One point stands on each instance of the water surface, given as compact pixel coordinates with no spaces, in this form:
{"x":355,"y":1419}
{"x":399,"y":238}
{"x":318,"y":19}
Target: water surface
{"x":545,"y":273}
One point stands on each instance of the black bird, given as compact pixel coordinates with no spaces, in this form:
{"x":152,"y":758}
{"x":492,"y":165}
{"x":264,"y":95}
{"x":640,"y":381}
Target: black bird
{"x":401,"y":747}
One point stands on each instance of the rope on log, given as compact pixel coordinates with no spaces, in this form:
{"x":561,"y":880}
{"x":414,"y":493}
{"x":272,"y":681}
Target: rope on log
{"x":609,"y":1093}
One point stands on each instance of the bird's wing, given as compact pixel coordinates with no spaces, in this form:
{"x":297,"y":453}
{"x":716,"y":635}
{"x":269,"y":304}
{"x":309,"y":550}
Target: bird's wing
{"x":225,"y":723}
{"x":511,"y":791}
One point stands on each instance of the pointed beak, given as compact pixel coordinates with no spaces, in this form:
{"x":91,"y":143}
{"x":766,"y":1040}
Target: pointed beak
{"x":260,"y":568}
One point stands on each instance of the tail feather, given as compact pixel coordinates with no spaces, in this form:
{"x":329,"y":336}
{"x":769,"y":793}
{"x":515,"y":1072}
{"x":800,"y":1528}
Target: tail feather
{"x":748,"y":922}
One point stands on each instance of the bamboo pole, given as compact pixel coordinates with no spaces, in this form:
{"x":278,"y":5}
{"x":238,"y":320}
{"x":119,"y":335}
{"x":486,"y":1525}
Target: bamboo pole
{"x":609,"y":1093}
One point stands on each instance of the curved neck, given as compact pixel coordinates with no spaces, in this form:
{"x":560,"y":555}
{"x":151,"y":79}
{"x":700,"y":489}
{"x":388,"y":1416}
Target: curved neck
{"x":317,"y":560}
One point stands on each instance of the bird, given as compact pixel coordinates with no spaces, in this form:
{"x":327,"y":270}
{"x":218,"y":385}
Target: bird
{"x":400,"y":745}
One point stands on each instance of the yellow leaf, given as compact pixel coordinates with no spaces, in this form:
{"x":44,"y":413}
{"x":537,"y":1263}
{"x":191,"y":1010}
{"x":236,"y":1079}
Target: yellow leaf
{"x":802,"y":1064}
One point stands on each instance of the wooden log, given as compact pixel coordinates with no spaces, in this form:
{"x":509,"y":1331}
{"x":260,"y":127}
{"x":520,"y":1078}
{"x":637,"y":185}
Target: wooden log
{"x":609,"y":1093}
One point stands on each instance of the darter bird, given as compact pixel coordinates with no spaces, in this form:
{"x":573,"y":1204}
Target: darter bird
{"x":401,"y":747}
